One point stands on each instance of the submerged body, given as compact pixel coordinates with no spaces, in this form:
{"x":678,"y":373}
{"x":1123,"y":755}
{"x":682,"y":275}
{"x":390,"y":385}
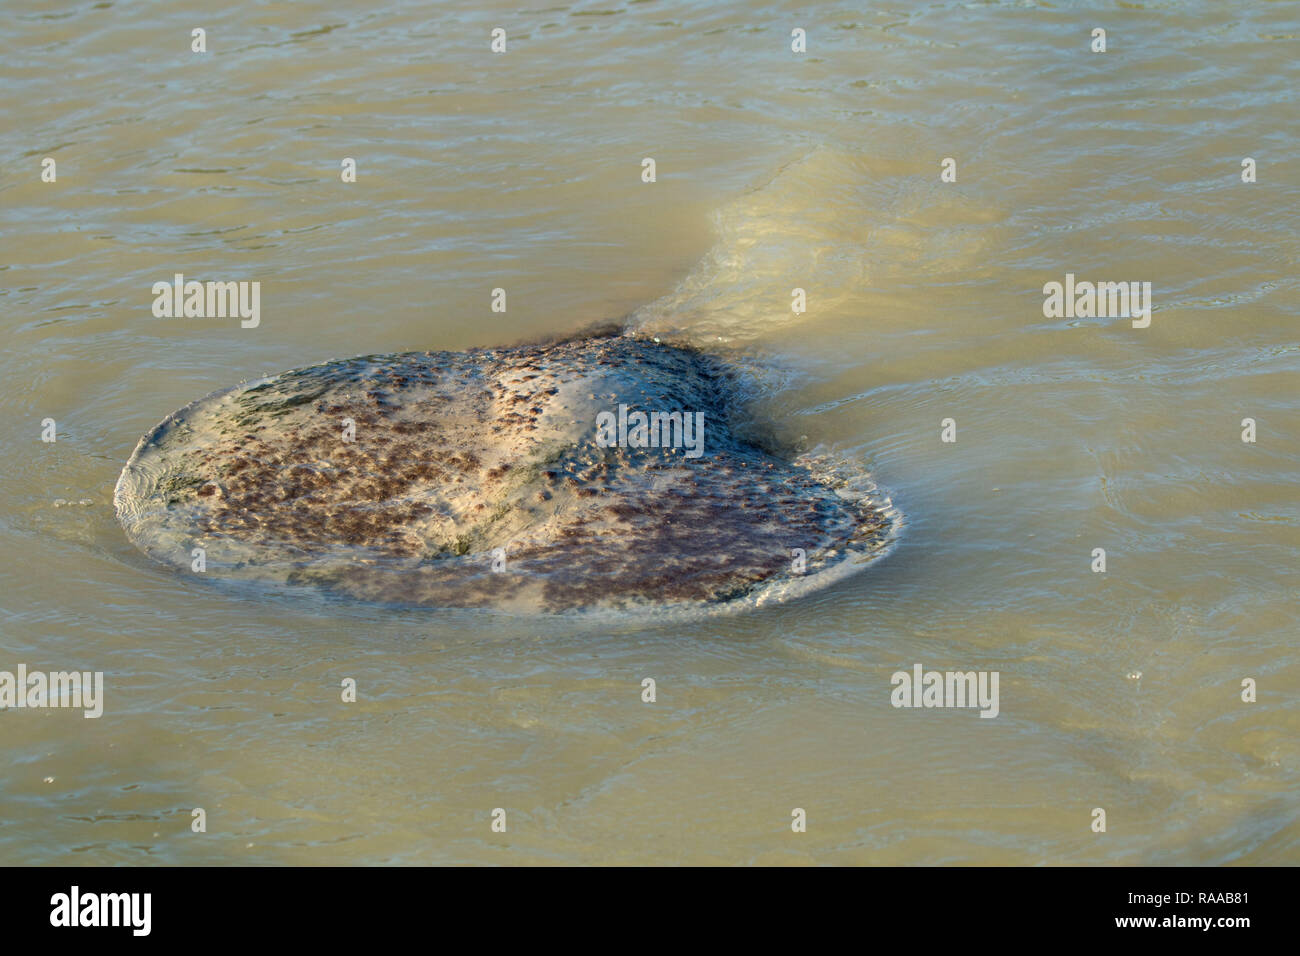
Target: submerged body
{"x":494,"y":477}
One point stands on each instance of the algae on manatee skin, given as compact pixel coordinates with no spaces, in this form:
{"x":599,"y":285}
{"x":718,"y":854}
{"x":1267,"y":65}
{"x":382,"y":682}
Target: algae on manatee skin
{"x":458,"y":454}
{"x":171,"y":487}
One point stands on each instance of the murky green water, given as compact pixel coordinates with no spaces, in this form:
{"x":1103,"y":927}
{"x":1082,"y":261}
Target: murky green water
{"x":775,"y":170}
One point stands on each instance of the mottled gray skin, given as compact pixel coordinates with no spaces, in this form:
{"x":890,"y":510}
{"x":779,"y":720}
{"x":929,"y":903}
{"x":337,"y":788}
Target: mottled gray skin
{"x":460,"y":453}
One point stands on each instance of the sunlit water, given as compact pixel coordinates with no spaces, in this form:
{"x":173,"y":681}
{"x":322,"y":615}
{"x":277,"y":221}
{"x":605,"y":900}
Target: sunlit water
{"x":775,"y":170}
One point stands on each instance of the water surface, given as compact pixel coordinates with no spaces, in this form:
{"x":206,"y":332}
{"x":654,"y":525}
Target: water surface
{"x":775,"y":170}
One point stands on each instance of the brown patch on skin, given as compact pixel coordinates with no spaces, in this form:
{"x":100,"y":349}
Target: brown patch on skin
{"x":443,"y":470}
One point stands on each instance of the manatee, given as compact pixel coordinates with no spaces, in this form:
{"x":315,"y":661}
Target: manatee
{"x":479,"y":479}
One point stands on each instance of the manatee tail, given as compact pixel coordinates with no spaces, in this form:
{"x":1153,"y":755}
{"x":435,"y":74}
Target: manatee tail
{"x":834,"y":223}
{"x":828,"y":222}
{"x":785,"y":233}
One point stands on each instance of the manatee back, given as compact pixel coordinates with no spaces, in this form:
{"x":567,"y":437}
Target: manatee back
{"x":476,"y":479}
